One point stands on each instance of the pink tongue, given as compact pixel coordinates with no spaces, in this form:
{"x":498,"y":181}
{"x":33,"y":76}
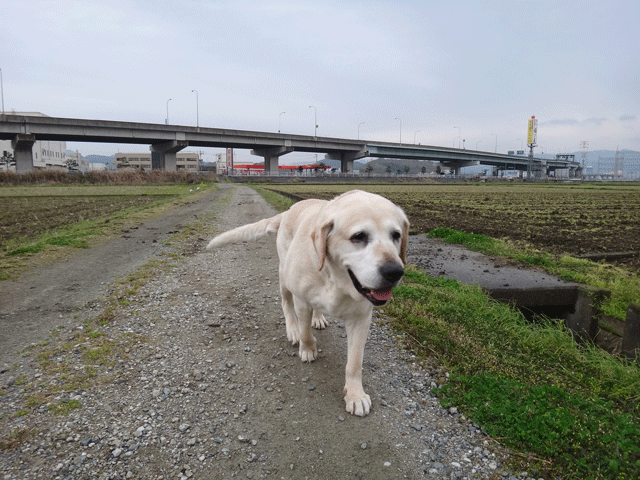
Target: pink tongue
{"x":381,"y":294}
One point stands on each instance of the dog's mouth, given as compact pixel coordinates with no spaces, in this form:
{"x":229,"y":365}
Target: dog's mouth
{"x":377,"y":297}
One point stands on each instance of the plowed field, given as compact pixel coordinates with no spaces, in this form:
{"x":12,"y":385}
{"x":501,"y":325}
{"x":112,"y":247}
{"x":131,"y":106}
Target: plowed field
{"x":572,"y":219}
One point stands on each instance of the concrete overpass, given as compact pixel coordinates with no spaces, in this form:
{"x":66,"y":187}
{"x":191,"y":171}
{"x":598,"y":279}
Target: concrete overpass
{"x":166,"y":140}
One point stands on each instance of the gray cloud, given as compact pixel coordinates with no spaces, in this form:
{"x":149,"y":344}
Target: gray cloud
{"x":595,"y":121}
{"x":560,"y":122}
{"x":626,"y":118}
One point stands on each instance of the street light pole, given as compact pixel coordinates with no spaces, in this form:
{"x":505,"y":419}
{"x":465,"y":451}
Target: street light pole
{"x":459,"y":137}
{"x":197,"y":112}
{"x":400,"y":128}
{"x":2,"y":90}
{"x":495,"y":135}
{"x":361,"y":123}
{"x":315,"y":117}
{"x":166,"y":121}
{"x":279,"y":120}
{"x":414,"y":136}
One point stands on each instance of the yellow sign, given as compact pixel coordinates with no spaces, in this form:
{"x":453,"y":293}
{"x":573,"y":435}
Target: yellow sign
{"x":532,"y":134}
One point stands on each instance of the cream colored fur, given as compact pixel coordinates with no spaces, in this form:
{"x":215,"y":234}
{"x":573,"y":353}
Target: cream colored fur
{"x":318,"y":243}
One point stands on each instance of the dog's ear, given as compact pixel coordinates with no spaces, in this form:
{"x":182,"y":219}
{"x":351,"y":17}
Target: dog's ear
{"x":320,"y":237}
{"x":403,"y":242}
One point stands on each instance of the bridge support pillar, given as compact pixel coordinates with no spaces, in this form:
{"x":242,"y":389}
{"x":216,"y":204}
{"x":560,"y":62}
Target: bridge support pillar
{"x":456,"y":165}
{"x":163,"y":155}
{"x":22,"y":145}
{"x":271,"y":156}
{"x":346,"y":159}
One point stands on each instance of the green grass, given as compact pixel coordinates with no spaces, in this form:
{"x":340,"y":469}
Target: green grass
{"x":624,"y":285}
{"x":587,"y":433}
{"x":530,"y":386}
{"x":75,"y":240}
{"x":279,"y":202}
{"x":64,"y":408}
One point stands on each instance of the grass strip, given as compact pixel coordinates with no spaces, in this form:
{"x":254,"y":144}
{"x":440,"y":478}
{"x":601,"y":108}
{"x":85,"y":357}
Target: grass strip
{"x":624,"y":285}
{"x":277,"y":201}
{"x":529,"y":385}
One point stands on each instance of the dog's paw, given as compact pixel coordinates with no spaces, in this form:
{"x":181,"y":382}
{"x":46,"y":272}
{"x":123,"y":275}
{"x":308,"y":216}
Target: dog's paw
{"x":318,"y":321}
{"x":293,"y":335}
{"x":308,"y":354}
{"x":357,"y":402}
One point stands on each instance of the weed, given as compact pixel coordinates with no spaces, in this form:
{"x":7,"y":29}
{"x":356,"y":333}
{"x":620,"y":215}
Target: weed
{"x":14,"y":438}
{"x":64,"y":408}
{"x":98,"y":355}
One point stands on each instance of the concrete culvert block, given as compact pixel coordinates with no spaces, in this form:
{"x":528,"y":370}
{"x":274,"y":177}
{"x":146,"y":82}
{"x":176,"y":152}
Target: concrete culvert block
{"x":631,"y":336}
{"x":584,"y":321}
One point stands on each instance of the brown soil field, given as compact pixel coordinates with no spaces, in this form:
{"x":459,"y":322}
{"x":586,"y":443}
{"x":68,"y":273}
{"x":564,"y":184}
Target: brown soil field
{"x":28,"y":216}
{"x":558,"y":219}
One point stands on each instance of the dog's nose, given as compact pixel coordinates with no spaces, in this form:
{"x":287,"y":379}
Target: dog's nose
{"x":392,"y":272}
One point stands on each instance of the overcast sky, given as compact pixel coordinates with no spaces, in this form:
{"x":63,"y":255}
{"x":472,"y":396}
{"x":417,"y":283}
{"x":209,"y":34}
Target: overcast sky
{"x":413,"y":68}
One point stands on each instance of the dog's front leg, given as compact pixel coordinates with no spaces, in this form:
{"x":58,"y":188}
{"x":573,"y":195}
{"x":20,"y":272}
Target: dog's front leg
{"x":357,"y":402}
{"x":308,"y":350}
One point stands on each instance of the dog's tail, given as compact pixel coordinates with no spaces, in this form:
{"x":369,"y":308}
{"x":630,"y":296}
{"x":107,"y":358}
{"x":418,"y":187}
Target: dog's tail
{"x":247,"y":233}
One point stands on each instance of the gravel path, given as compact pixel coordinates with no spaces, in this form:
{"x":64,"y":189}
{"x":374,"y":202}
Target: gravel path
{"x":198,"y":381}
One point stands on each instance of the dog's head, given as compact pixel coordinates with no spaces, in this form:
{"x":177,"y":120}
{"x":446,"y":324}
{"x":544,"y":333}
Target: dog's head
{"x":364,"y":238}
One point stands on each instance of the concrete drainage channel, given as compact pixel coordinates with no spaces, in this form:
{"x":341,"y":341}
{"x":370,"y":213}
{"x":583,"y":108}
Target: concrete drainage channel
{"x":533,"y":291}
{"x":576,"y":305}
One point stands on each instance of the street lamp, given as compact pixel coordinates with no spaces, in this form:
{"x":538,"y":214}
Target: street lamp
{"x":400,"y":128}
{"x":414,"y":136}
{"x":495,"y":135}
{"x":2,"y":90}
{"x":361,"y":123}
{"x":166,"y":121}
{"x":279,"y":120}
{"x":458,"y":137}
{"x":197,"y":112}
{"x":315,"y":116}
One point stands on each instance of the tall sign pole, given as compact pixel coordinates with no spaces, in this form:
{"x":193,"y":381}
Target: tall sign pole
{"x":532,"y":138}
{"x":229,"y":161}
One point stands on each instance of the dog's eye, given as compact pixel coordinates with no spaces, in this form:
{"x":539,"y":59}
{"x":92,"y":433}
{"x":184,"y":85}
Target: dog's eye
{"x":360,"y":237}
{"x":395,"y":236}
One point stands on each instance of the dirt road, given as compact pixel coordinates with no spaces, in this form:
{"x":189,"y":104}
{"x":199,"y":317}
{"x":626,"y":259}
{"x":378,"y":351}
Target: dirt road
{"x":32,"y":305}
{"x":200,"y":381}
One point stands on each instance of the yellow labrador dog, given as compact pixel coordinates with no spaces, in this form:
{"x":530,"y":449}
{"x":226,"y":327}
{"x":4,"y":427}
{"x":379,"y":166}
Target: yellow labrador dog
{"x":337,"y":258}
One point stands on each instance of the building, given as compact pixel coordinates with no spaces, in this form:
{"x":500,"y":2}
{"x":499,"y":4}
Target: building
{"x":50,"y":155}
{"x":185,"y":161}
{"x":77,"y":163}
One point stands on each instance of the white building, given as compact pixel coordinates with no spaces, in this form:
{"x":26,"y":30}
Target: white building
{"x":187,"y":161}
{"x":47,"y":154}
{"x":77,"y":162}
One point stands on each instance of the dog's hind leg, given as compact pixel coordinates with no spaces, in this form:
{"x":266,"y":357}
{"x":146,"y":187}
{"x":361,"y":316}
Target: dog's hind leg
{"x":308,"y":350}
{"x":318,"y":321}
{"x":290,"y":318}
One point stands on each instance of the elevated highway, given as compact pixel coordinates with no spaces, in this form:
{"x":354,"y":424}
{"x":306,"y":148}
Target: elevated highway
{"x":166,"y":140}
